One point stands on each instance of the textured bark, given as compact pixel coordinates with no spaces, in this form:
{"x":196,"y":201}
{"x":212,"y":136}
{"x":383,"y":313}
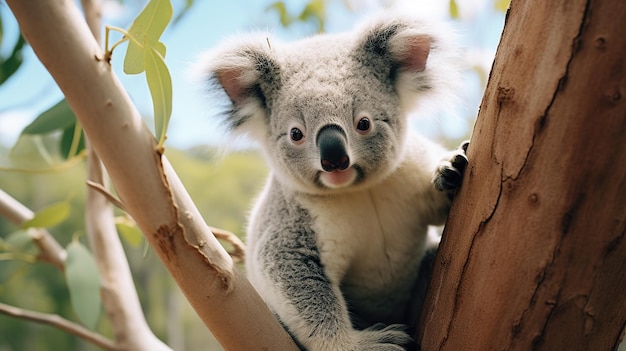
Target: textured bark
{"x":533,"y":256}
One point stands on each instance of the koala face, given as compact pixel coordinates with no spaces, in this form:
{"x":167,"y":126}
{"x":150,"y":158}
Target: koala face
{"x":332,"y":126}
{"x":329,"y":111}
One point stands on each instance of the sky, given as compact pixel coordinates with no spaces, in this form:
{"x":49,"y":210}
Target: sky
{"x":195,"y":116}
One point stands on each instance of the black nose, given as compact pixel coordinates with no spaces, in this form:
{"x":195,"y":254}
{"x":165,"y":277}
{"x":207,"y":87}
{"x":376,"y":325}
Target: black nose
{"x":331,"y":141}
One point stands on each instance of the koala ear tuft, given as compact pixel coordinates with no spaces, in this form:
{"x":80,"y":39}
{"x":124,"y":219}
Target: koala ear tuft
{"x":414,"y":56}
{"x":417,"y":56}
{"x":229,"y":80}
{"x":398,"y":42}
{"x":245,"y":69}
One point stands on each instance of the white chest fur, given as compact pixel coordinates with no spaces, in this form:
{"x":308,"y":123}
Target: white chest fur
{"x":372,"y":241}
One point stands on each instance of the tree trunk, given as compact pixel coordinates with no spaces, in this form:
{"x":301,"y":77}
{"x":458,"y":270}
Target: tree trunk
{"x":533,"y":256}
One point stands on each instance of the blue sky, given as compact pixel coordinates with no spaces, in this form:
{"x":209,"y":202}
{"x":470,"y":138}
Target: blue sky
{"x":194,"y":121}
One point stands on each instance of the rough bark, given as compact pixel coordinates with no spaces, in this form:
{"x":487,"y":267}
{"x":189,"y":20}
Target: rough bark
{"x":533,"y":256}
{"x":147,"y":185}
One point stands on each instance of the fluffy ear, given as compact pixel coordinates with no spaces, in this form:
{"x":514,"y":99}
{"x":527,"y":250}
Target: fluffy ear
{"x":418,"y":57}
{"x":247,"y":71}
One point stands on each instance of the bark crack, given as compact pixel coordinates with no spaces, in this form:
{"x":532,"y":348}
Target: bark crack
{"x":543,"y":118}
{"x":543,"y":273}
{"x":458,"y":290}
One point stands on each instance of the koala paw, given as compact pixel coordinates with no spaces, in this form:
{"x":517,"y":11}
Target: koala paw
{"x":449,"y":174}
{"x":383,"y":338}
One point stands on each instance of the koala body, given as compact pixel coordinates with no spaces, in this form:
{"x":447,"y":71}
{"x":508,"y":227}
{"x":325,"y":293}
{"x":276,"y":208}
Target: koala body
{"x":336,"y":237}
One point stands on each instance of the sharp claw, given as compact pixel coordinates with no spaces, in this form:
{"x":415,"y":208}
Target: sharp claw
{"x":465,"y":145}
{"x":460,"y":162}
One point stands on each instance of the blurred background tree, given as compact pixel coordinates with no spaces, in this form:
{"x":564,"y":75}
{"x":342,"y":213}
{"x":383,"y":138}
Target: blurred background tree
{"x":36,"y":169}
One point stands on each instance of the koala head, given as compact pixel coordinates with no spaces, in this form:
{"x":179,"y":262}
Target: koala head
{"x":330,"y":111}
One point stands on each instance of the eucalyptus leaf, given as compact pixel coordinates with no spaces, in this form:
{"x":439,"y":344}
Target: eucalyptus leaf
{"x":502,"y":5}
{"x":454,"y":9}
{"x":49,"y":216}
{"x":315,"y":9}
{"x":67,"y":142}
{"x":22,"y":241}
{"x":285,"y":18}
{"x":10,"y":65}
{"x":83,"y":281}
{"x":129,"y":231}
{"x":1,"y":30}
{"x":160,"y":85}
{"x":57,"y":117}
{"x":147,"y":27}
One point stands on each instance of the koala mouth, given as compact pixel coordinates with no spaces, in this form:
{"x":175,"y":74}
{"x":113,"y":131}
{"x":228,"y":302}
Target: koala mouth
{"x":338,"y":178}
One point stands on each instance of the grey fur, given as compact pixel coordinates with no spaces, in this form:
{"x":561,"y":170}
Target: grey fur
{"x":335,"y":253}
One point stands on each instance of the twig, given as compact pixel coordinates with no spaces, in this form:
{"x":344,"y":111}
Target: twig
{"x":61,"y":323}
{"x":239,"y":248}
{"x":105,"y":192}
{"x":50,"y":251}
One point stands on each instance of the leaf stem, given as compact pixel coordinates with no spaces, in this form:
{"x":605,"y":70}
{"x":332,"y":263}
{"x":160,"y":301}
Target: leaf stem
{"x":78,"y":129}
{"x":15,"y":256}
{"x":127,"y":36}
{"x":56,"y":168}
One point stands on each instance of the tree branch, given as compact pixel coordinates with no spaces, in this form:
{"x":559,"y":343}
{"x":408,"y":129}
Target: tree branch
{"x":50,"y":251}
{"x":145,"y":181}
{"x":61,"y":323}
{"x":239,"y":248}
{"x":119,"y":294}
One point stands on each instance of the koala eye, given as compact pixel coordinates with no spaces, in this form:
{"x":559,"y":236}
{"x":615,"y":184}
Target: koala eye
{"x":363,"y":125}
{"x":296,"y":135}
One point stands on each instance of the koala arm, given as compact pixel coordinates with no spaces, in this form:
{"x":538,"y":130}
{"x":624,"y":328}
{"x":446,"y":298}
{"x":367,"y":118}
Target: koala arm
{"x":436,"y":172}
{"x":286,"y":267}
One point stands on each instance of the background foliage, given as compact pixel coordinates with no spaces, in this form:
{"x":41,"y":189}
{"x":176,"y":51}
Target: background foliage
{"x":222,"y":187}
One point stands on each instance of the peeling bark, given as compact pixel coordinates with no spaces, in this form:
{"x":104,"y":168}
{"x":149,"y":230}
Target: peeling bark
{"x":533,"y":256}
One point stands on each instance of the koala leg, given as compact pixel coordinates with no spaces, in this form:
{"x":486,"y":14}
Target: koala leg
{"x":307,"y":301}
{"x":449,"y":174}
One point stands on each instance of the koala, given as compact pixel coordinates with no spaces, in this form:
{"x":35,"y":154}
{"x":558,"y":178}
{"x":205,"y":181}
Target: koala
{"x":336,"y":238}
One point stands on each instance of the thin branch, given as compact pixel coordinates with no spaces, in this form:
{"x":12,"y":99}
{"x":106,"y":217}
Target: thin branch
{"x":61,"y":323}
{"x":106,"y":193}
{"x":13,"y":210}
{"x":239,"y":248}
{"x":50,"y":251}
{"x":119,"y":294}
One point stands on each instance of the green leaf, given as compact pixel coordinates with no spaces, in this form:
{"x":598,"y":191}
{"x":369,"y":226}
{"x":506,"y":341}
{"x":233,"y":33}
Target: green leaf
{"x":1,"y":31}
{"x":68,"y":140}
{"x":285,"y":18}
{"x":129,"y":231}
{"x":502,"y":5}
{"x":315,"y":9}
{"x":83,"y":281}
{"x":59,"y":116}
{"x":147,"y":27}
{"x":160,"y":85}
{"x":30,"y":151}
{"x":9,"y":66}
{"x":184,"y":11}
{"x":20,"y":240}
{"x":49,"y":216}
{"x":454,"y":9}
